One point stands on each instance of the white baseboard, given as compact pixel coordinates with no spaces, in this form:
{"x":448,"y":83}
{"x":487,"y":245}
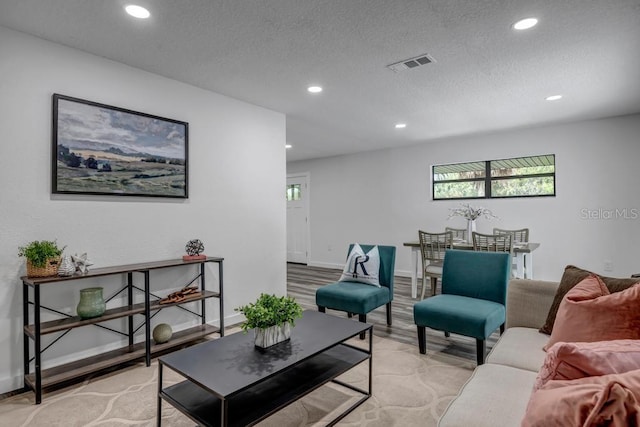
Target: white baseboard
{"x":334,"y":266}
{"x":234,"y":319}
{"x":11,"y":384}
{"x":403,"y":273}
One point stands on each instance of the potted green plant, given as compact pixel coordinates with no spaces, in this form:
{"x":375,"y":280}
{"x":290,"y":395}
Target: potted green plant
{"x":272,"y":317}
{"x":43,"y":257}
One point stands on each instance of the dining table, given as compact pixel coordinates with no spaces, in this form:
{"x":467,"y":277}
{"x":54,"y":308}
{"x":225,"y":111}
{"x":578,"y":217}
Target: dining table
{"x":522,"y":253}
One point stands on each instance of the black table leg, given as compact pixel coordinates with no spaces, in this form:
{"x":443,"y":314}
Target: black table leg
{"x":159,"y":411}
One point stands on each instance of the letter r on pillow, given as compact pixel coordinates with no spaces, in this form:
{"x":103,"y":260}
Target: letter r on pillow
{"x":360,"y":261}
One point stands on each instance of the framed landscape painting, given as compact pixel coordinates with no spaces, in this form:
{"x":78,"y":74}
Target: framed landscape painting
{"x":104,"y":150}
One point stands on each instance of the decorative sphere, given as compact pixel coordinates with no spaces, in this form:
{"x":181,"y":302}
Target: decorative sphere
{"x":162,"y":333}
{"x":194,"y":247}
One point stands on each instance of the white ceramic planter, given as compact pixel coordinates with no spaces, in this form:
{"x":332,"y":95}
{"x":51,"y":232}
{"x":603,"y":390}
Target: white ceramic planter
{"x":272,"y":335}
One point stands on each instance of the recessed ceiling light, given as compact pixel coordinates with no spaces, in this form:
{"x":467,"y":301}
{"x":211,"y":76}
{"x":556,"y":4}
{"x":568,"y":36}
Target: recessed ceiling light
{"x":553,"y":97}
{"x":137,"y":11}
{"x":525,"y":24}
{"x":401,"y":125}
{"x":314,"y":89}
{"x":287,"y":146}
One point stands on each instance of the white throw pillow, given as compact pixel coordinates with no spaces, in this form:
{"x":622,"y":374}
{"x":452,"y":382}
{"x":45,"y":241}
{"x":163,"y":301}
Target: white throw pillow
{"x":362,"y":267}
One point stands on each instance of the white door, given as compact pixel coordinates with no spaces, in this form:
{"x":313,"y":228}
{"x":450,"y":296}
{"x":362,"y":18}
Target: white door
{"x":297,"y":217}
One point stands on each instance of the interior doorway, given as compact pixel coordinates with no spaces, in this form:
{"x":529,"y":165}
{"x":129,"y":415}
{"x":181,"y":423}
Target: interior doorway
{"x":298,"y":218}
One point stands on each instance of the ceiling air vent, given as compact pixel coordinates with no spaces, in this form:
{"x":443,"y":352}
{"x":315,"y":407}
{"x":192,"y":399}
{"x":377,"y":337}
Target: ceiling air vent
{"x":411,"y":63}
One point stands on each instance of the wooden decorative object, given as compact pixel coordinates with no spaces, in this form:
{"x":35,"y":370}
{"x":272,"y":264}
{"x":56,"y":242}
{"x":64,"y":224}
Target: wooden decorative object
{"x":193,"y":257}
{"x":184,"y":294}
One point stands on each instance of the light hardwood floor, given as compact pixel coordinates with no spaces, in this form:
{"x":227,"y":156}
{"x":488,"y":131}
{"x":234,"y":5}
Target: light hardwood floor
{"x":302,"y":282}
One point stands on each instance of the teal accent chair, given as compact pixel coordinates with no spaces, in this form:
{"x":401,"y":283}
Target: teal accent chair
{"x":360,"y":298}
{"x":473,"y":298}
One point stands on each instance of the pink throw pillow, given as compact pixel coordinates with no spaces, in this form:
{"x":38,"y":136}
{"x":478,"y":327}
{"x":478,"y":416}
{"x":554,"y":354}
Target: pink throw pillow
{"x":588,"y":313}
{"x":569,"y":361}
{"x":607,"y":400}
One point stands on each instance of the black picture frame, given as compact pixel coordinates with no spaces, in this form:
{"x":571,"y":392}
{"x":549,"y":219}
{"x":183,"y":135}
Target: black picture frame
{"x":100,"y":149}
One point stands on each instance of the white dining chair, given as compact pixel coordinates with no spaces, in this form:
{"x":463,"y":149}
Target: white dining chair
{"x":518,"y":236}
{"x":433,"y":247}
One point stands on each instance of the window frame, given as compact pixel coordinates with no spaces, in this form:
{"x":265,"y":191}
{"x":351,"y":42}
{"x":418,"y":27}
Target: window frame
{"x":488,"y":179}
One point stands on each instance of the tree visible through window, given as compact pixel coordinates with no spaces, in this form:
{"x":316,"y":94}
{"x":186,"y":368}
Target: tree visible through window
{"x":516,"y":177}
{"x":293,"y":192}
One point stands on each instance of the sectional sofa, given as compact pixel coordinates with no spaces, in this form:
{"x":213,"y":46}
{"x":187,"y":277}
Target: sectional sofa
{"x":590,"y":372}
{"x":498,"y":391}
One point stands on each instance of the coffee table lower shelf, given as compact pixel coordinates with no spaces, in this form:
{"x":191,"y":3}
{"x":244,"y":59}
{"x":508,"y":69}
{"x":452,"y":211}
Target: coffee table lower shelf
{"x":252,"y":405}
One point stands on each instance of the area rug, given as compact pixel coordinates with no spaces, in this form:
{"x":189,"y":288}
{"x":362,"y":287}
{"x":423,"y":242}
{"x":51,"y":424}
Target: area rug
{"x":409,"y":389}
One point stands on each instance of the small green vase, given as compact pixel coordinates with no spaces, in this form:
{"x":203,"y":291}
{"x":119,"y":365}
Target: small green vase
{"x":91,"y":303}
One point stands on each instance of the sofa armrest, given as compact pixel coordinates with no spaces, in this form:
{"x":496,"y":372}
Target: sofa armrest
{"x":528,"y":302}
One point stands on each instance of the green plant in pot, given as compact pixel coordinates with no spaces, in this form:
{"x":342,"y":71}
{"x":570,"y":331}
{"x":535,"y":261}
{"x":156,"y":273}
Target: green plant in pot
{"x":272,"y":317}
{"x":43,"y":257}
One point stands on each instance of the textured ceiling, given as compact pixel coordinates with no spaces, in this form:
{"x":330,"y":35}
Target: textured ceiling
{"x":486,"y":76}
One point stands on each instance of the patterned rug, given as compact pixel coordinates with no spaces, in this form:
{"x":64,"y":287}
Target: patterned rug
{"x":409,"y":389}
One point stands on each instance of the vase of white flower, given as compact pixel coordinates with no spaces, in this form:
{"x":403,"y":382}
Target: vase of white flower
{"x":471,"y":227}
{"x":470,"y":213}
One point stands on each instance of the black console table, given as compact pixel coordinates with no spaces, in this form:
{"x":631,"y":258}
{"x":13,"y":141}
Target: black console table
{"x":33,"y":330}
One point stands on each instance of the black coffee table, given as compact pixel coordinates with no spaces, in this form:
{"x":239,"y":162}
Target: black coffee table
{"x":229,"y":382}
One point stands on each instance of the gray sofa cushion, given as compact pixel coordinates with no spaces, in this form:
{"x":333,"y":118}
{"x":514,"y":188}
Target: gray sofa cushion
{"x":495,"y":395}
{"x":528,"y":302}
{"x":520,"y":348}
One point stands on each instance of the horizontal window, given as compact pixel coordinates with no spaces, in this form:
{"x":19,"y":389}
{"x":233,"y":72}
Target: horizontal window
{"x":516,"y":177}
{"x":458,"y":190}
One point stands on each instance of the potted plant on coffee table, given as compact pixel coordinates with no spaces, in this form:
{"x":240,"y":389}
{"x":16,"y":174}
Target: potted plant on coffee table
{"x":43,"y":257}
{"x":272,"y":317}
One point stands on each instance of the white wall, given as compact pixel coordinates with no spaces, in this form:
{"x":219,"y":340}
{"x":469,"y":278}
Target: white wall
{"x":384,"y":196}
{"x":235,"y":205}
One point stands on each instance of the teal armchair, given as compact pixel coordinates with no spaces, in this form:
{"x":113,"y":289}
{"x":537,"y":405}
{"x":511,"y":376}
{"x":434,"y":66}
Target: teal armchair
{"x":360,"y":298}
{"x":473,"y":299}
